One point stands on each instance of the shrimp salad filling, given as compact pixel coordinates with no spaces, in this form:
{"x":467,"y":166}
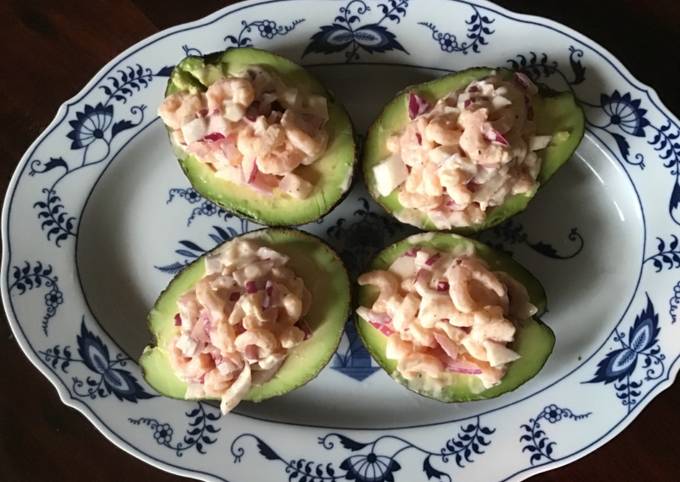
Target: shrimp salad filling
{"x":465,"y":154}
{"x":251,"y":129}
{"x":446,"y":313}
{"x":235,"y":328}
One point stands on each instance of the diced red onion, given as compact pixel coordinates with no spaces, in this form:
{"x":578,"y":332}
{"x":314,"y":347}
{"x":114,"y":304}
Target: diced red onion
{"x":253,"y":174}
{"x":468,"y":103}
{"x":447,"y":345}
{"x":524,"y":80}
{"x":384,"y":328}
{"x":411,"y":253}
{"x":234,"y":296}
{"x":213,"y":136}
{"x":432,"y":259}
{"x":473,"y":88}
{"x":377,"y":317}
{"x":496,"y":137}
{"x":251,"y":352}
{"x":178,"y":320}
{"x":201,"y":379}
{"x":380,"y":321}
{"x":417,"y":105}
{"x":462,"y":366}
{"x":203,"y":112}
{"x":268,"y":290}
{"x":251,"y":287}
{"x":442,"y":285}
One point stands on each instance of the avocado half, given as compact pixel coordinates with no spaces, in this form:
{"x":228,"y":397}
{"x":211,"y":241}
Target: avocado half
{"x":331,"y":174}
{"x":534,"y":340}
{"x":325,"y":277}
{"x":554,"y":113}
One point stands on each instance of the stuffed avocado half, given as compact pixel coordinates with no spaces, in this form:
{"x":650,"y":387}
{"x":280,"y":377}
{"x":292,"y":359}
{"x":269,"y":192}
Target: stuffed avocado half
{"x":452,"y":319}
{"x":257,"y":317}
{"x":259,"y":136}
{"x":466,"y":151}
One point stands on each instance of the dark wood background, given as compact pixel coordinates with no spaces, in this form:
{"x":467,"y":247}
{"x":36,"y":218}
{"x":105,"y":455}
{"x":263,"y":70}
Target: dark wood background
{"x":50,"y":49}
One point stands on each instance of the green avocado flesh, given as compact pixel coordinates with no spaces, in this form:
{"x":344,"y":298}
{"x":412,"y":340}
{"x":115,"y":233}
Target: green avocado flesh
{"x":331,"y":175}
{"x":553,"y":113}
{"x":324,"y":276}
{"x":534,"y":340}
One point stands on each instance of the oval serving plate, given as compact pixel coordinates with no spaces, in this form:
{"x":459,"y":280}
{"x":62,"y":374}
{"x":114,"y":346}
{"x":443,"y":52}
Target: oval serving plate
{"x":98,"y":217}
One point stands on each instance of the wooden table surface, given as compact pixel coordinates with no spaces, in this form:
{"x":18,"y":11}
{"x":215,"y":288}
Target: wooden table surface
{"x":51,"y":49}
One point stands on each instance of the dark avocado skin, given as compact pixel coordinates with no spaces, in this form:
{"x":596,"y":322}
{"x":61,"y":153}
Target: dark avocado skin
{"x":186,"y":78}
{"x":306,"y":360}
{"x":495,"y":215}
{"x":534,"y":340}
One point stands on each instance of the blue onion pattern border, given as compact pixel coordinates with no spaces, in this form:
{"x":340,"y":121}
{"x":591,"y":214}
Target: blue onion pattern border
{"x":660,"y":136}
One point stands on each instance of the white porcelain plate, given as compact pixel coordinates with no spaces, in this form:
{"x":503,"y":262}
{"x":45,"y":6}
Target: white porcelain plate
{"x":98,"y":217}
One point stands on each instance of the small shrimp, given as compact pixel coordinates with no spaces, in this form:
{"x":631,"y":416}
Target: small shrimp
{"x":431,"y":182}
{"x":281,"y":160}
{"x":406,"y":312}
{"x":231,"y":89}
{"x":412,"y":145}
{"x":292,"y":305}
{"x":490,"y":324}
{"x":455,"y":182}
{"x":236,"y":391}
{"x":474,"y":347}
{"x":461,"y":275}
{"x":215,"y":383}
{"x":210,"y":299}
{"x":421,"y":335}
{"x":291,"y":337}
{"x":264,"y":340}
{"x":303,"y":136}
{"x":386,"y":282}
{"x":415,"y":364}
{"x":396,"y":348}
{"x":434,"y":308}
{"x":176,"y":109}
{"x":443,"y":130}
{"x":419,"y":201}
{"x":520,"y":305}
{"x":222,"y":336}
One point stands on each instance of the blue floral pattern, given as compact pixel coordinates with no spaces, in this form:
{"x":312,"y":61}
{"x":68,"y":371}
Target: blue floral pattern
{"x":674,"y":303}
{"x":667,"y":255}
{"x":376,"y":461}
{"x":92,"y":132}
{"x":349,"y":33}
{"x":200,"y":431}
{"x":640,"y":346}
{"x":478,"y":31}
{"x":109,"y":113}
{"x":626,"y":118}
{"x":29,"y":276}
{"x":190,"y":251}
{"x":106,"y":376}
{"x":267,"y":29}
{"x":357,"y":240}
{"x":203,"y":207}
{"x":512,"y":233}
{"x":536,"y":441}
